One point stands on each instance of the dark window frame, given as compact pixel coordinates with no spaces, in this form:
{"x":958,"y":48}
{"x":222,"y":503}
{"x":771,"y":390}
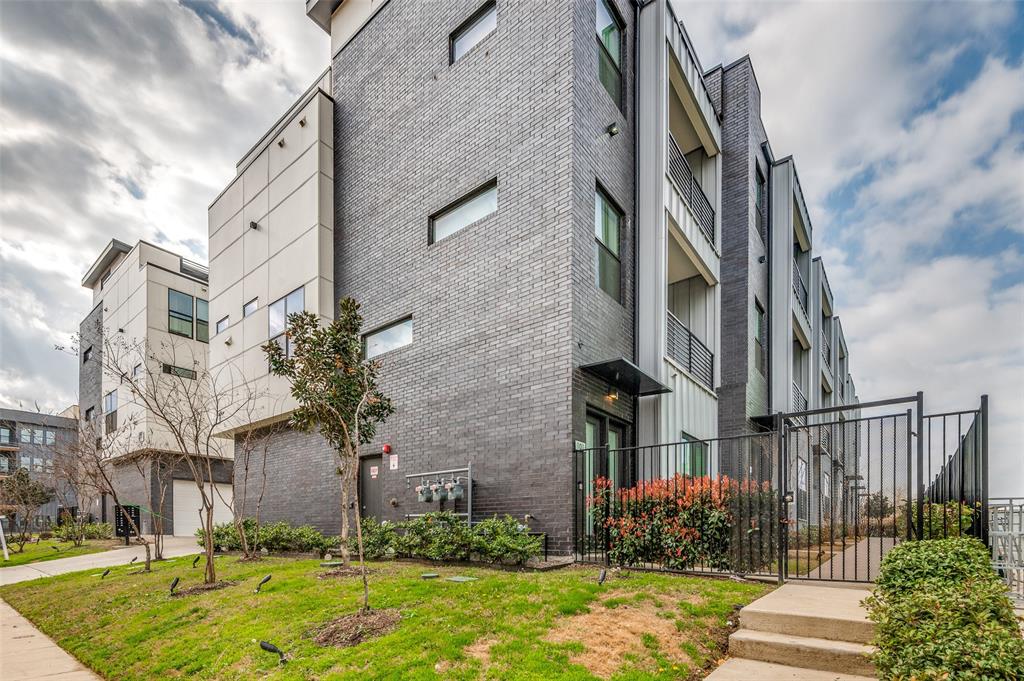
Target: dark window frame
{"x":255,"y":302}
{"x":226,"y":320}
{"x":282,"y":336}
{"x":179,"y":372}
{"x":465,"y":198}
{"x":385,"y":327}
{"x":180,"y":316}
{"x":760,"y":325}
{"x":468,"y":24}
{"x":760,"y":202}
{"x":86,"y":354}
{"x":613,"y":12}
{"x":599,"y":190}
{"x":200,"y":322}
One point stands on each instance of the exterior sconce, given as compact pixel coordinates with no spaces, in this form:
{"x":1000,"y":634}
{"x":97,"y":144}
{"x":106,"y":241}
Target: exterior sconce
{"x":280,"y":142}
{"x":612,"y":129}
{"x":228,"y":341}
{"x":302,"y":122}
{"x":253,"y":224}
{"x":612,"y":395}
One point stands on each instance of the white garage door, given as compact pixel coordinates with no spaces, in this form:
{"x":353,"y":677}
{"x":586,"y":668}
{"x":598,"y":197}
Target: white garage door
{"x":187,"y":503}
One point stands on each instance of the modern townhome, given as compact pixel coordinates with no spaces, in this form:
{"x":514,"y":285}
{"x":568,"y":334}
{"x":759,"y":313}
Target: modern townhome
{"x":34,"y":441}
{"x":782,"y":348}
{"x":157,"y":302}
{"x":537,"y":272}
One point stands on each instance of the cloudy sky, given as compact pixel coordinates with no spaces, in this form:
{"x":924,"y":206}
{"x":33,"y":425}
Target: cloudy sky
{"x":906,"y":120}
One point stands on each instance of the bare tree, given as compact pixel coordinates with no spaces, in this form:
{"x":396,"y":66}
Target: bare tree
{"x":186,"y":409}
{"x":72,"y":487}
{"x":151,"y":465}
{"x":23,"y":496}
{"x":249,"y":481}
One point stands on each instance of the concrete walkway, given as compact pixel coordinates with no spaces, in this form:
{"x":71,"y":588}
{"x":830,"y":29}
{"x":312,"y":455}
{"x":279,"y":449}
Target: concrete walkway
{"x":860,"y":561}
{"x":173,"y":547}
{"x":28,"y":654}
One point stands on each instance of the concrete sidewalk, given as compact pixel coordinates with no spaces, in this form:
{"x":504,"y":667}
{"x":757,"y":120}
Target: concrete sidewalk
{"x":26,"y":654}
{"x":173,"y":547}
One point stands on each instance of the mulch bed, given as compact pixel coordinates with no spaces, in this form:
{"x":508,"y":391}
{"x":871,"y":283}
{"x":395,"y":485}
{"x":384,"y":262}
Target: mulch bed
{"x":350,"y":571}
{"x":201,"y":588}
{"x":353,"y":629}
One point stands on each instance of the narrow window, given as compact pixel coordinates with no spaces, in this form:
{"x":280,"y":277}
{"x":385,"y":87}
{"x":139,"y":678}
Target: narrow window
{"x":223,"y":324}
{"x":759,"y":204}
{"x":5,"y":436}
{"x":388,"y":338}
{"x":26,"y":436}
{"x":37,"y":464}
{"x":110,"y":411}
{"x":89,"y":414}
{"x":179,"y":372}
{"x":179,"y":313}
{"x":51,"y":437}
{"x":464,"y":212}
{"x":607,"y":224}
{"x":609,"y":50}
{"x":695,"y":456}
{"x":202,"y":321}
{"x":250,"y":307}
{"x":26,"y":462}
{"x":87,"y":354}
{"x":278,"y":313}
{"x":759,"y":337}
{"x":137,"y":371}
{"x":38,"y":436}
{"x":473,"y":30}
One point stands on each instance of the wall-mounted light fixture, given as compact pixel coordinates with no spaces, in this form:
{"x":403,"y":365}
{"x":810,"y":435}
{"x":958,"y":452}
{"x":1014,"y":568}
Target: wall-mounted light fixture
{"x":760,"y":259}
{"x":280,"y":142}
{"x":612,"y":129}
{"x":612,"y":395}
{"x":253,"y":224}
{"x":302,"y":122}
{"x":228,"y":341}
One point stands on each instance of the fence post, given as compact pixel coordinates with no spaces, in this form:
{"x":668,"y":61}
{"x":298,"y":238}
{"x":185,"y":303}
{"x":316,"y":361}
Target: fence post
{"x":984,"y":469}
{"x":780,"y":426}
{"x":910,"y":478}
{"x":920,"y":464}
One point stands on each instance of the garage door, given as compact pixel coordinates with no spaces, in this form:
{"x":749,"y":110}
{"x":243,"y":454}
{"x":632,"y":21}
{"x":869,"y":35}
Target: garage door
{"x":187,"y":503}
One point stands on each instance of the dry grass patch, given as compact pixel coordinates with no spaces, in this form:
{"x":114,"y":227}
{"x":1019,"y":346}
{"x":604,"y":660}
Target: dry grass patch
{"x":629,"y":626}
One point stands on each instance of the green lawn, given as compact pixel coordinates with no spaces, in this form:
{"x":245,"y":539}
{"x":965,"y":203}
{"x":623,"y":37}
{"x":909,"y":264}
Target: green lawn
{"x":35,"y":553}
{"x":506,"y":625}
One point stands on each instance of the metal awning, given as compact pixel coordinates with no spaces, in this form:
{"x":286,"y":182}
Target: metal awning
{"x":629,"y":378}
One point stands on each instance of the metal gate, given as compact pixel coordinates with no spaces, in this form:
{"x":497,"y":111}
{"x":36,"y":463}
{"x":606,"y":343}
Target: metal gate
{"x":820,"y":494}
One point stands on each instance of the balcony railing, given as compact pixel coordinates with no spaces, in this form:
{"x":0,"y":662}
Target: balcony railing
{"x":691,"y":191}
{"x":689,"y":352}
{"x":799,"y":399}
{"x":826,"y":349}
{"x":799,"y":287}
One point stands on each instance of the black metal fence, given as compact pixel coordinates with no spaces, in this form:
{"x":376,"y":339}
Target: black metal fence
{"x":822,"y":495}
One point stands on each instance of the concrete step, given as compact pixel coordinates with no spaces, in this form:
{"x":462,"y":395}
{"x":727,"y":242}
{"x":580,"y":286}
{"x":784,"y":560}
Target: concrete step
{"x":735,"y":669}
{"x":802,"y":651}
{"x":832,"y":613}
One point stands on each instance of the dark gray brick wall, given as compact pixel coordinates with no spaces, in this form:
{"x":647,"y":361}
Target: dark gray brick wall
{"x":501,"y":308}
{"x":90,"y":374}
{"x":743,"y":393}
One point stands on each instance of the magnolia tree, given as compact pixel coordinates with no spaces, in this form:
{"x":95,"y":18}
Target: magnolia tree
{"x":337,"y":393}
{"x":23,"y":495}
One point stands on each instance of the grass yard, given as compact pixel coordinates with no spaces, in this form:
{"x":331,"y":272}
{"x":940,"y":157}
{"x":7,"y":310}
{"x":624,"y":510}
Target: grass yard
{"x":35,"y":553}
{"x":505,"y":625}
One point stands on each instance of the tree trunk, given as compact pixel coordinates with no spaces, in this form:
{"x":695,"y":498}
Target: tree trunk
{"x":206,"y":518}
{"x":359,"y":545}
{"x":345,"y":555}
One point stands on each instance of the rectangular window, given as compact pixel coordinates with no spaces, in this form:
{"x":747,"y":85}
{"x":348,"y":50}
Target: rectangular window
{"x":223,"y":324}
{"x":87,"y":354}
{"x":5,"y":465}
{"x":464,"y":212}
{"x":137,"y":371}
{"x":37,"y":464}
{"x":278,"y":313}
{"x":89,"y":414}
{"x":38,"y":436}
{"x":6,"y":436}
{"x":609,"y":50}
{"x":179,"y":313}
{"x":250,"y":307}
{"x":607,"y":224}
{"x":26,"y":436}
{"x":202,"y":321}
{"x":48,"y":465}
{"x":473,"y":30}
{"x":26,"y":462}
{"x":760,"y":355}
{"x":51,"y":437}
{"x":389,"y":338}
{"x":110,"y":411}
{"x":179,"y":372}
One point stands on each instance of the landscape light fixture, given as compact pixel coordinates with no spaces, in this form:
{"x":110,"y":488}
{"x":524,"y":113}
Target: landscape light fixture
{"x":601,"y":577}
{"x":196,"y":561}
{"x":134,"y":558}
{"x":105,"y":573}
{"x":262,"y":582}
{"x":54,"y":548}
{"x":174,"y":584}
{"x":271,"y":648}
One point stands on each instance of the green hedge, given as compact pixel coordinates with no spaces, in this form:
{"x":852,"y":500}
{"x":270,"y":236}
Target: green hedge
{"x":942,"y":613}
{"x":274,"y":537}
{"x":67,"y":531}
{"x":446,"y":537}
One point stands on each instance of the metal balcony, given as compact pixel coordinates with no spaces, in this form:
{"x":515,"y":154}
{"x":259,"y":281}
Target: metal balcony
{"x":826,"y":349}
{"x":691,"y":191}
{"x":688,"y":351}
{"x":799,"y":287}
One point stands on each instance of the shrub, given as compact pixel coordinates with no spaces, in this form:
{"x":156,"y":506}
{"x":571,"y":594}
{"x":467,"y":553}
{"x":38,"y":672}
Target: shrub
{"x":274,"y":537}
{"x":380,"y":539}
{"x":99,"y":531}
{"x":436,"y":536}
{"x":504,"y":540}
{"x":70,"y":531}
{"x":942,"y":613}
{"x":683,"y":522}
{"x":45,"y":534}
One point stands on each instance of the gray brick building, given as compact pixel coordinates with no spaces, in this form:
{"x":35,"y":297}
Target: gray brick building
{"x":35,"y":441}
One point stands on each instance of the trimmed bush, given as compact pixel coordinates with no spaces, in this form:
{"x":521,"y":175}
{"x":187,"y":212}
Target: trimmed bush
{"x":504,"y":540}
{"x":683,"y":522}
{"x":436,"y":536}
{"x":67,"y":531}
{"x":380,"y":539}
{"x":274,"y":537}
{"x":942,"y":613}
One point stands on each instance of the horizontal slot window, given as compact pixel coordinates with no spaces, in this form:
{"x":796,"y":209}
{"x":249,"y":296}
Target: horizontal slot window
{"x":389,"y":338}
{"x":464,"y":212}
{"x":473,"y":30}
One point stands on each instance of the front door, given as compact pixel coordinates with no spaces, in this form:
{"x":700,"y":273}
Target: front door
{"x":370,"y":472}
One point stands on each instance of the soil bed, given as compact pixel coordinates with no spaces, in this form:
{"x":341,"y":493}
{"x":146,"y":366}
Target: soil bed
{"x":202,"y":588}
{"x":350,"y":571}
{"x":353,"y":629}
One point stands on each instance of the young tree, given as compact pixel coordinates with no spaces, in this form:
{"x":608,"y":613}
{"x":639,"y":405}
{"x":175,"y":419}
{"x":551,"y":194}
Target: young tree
{"x":249,"y":481}
{"x":73,"y":489}
{"x":337,"y":393}
{"x":24,"y":496}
